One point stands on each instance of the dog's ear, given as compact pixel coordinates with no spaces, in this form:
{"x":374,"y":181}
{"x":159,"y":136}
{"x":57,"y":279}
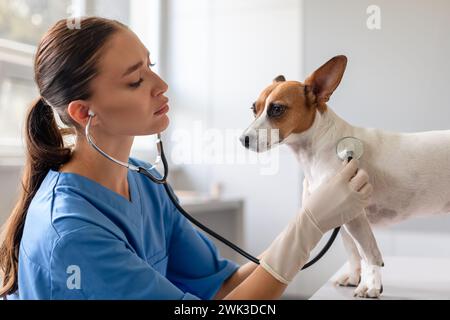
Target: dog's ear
{"x":279,"y":78}
{"x":325,"y":80}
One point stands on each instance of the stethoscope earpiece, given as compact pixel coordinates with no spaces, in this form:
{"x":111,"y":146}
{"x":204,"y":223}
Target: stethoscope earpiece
{"x":161,"y":156}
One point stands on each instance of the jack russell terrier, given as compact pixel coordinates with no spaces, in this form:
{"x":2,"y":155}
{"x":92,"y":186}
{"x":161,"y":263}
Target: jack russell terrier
{"x":409,"y":172}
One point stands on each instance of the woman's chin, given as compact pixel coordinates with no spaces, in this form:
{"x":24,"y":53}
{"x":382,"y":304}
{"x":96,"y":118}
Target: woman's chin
{"x":161,"y":125}
{"x":166,"y":121}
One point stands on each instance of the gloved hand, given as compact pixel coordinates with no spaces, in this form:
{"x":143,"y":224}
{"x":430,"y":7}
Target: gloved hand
{"x":332,"y":204}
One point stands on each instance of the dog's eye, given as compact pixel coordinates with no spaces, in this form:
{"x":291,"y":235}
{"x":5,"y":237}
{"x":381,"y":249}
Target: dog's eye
{"x":276,"y":110}
{"x":253,"y":108}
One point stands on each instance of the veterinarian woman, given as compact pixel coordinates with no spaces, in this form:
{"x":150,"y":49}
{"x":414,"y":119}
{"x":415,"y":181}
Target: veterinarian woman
{"x":86,"y":228}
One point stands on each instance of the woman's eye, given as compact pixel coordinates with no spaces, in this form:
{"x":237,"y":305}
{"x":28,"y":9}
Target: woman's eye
{"x":136,"y":84}
{"x":276,"y":110}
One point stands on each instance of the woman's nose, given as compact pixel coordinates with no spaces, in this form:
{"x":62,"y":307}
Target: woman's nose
{"x":160,"y":88}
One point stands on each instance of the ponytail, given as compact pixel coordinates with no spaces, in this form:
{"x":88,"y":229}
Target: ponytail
{"x":45,"y":151}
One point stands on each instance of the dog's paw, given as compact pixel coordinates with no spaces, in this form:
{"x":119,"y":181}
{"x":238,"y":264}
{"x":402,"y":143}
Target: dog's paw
{"x":370,"y":285}
{"x":349,"y":278}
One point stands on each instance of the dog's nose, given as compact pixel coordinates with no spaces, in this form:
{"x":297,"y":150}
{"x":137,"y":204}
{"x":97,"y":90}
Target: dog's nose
{"x":245,"y":140}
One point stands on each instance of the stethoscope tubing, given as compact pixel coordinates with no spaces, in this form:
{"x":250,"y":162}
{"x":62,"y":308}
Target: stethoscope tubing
{"x":173,"y":198}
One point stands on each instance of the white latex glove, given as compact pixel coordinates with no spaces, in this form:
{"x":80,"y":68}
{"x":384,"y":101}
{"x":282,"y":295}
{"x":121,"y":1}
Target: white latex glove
{"x":332,"y":204}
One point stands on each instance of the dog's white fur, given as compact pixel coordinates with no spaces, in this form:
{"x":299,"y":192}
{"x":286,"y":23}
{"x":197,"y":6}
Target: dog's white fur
{"x":409,"y":172}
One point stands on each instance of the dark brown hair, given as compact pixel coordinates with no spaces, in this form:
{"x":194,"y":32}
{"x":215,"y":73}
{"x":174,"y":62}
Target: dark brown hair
{"x":65,"y":63}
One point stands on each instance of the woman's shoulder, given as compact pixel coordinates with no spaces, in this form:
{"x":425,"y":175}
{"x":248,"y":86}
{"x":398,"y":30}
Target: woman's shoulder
{"x":63,"y":203}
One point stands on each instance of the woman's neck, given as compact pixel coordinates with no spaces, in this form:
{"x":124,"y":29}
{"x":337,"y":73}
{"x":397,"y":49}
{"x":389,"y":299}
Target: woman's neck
{"x":88,"y":162}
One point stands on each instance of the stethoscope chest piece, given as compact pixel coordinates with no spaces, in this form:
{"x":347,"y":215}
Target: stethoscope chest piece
{"x":349,"y":147}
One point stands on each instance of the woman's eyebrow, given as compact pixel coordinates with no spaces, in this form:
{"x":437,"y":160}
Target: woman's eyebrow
{"x":134,"y":67}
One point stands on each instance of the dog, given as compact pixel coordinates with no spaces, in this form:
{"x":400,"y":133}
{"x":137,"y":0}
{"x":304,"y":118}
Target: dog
{"x":409,"y":172}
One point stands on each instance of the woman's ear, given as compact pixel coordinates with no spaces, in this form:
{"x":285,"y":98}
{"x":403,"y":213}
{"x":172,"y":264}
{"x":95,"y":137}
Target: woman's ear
{"x":325,"y":80}
{"x":79,"y":110}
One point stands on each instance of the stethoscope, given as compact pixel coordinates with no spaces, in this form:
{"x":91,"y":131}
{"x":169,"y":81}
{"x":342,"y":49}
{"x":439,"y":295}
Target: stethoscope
{"x":346,"y":148}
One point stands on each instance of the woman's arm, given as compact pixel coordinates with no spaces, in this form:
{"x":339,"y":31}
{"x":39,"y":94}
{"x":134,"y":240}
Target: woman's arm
{"x":259,"y":285}
{"x":236,"y":278}
{"x":251,"y":282}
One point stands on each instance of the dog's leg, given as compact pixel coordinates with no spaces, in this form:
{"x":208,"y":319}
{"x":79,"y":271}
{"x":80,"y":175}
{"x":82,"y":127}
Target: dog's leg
{"x":352,"y":276}
{"x":370,"y":285}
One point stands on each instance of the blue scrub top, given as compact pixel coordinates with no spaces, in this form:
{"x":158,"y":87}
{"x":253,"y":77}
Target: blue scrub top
{"x":82,"y":240}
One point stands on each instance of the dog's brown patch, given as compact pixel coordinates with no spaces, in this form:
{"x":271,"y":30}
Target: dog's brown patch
{"x":300,"y":112}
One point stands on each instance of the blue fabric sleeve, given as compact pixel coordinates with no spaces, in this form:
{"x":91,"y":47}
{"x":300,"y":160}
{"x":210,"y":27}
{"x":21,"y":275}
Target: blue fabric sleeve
{"x":107,"y":269}
{"x":194,"y":261}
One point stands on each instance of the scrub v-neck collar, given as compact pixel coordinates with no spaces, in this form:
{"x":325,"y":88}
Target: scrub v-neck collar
{"x":70,"y":178}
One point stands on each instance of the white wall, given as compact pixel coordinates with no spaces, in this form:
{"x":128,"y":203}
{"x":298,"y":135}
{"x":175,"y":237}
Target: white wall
{"x":396,"y":77}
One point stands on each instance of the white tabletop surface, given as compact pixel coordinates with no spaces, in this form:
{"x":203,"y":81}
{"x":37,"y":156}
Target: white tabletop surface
{"x":403,"y":278}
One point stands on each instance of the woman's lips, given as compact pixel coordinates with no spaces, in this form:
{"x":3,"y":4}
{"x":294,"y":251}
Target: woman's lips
{"x":162,"y":110}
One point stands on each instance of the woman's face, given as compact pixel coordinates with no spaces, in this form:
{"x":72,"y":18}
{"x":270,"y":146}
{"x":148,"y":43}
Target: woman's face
{"x":127,"y":94}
